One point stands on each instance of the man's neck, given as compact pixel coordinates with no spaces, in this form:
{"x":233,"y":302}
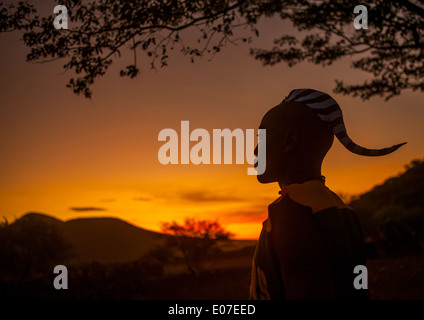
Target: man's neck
{"x":300,"y":176}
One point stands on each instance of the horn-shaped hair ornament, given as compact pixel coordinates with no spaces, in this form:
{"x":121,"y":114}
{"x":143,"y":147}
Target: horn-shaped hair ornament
{"x":328,"y":110}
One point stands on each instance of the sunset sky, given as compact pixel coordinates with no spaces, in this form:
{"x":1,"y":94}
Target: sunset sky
{"x":65,"y":156}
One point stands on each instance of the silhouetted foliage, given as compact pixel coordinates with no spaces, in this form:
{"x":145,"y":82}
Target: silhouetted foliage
{"x":29,"y":250}
{"x":393,"y":212}
{"x":397,"y":238}
{"x":390,"y":50}
{"x":112,"y":281}
{"x":162,"y":254}
{"x":194,"y":239}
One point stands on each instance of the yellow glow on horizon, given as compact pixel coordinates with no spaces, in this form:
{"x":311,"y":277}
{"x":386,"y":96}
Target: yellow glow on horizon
{"x":236,"y":200}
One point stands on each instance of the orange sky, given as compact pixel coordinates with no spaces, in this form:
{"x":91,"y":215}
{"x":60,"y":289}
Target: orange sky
{"x":60,"y":151}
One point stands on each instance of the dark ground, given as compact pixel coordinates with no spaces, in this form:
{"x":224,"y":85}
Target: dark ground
{"x":397,"y":278}
{"x":389,"y":278}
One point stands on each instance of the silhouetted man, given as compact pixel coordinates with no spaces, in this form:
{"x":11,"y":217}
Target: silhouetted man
{"x":311,"y":241}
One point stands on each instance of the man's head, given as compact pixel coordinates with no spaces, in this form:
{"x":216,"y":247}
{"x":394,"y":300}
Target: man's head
{"x":299,"y":134}
{"x":296,"y":141}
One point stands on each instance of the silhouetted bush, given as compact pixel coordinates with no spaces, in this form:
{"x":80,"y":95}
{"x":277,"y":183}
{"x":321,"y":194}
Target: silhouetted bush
{"x":399,"y":200}
{"x":30,"y":248}
{"x":194,"y":239}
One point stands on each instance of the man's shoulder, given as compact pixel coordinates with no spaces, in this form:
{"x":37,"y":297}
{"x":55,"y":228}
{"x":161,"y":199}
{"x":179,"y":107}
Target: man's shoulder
{"x":300,"y":206}
{"x":314,"y":195}
{"x":284,"y":202}
{"x":286,"y":211}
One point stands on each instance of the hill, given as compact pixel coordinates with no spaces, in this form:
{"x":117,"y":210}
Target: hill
{"x":103,"y":240}
{"x":398,"y":200}
{"x":110,"y":240}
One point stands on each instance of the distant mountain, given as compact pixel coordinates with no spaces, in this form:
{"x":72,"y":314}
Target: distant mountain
{"x":399,"y":199}
{"x":103,"y":240}
{"x":109,"y":240}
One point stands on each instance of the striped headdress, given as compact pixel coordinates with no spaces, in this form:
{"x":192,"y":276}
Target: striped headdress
{"x":328,"y":110}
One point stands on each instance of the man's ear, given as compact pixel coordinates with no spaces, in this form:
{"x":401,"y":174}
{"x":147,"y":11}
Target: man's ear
{"x":291,"y":141}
